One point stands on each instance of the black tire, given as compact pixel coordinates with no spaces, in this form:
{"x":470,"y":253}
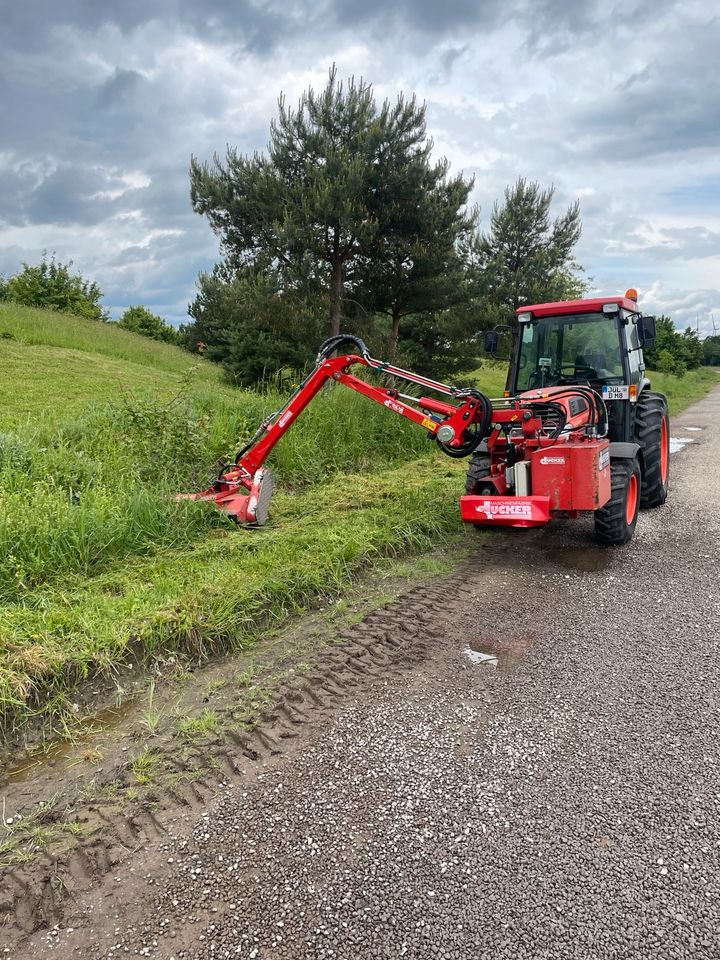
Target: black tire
{"x":652,"y":432}
{"x":612,"y":524}
{"x":478,"y":469}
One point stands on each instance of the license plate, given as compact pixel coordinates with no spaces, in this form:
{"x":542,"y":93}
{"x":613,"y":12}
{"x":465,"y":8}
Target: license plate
{"x":615,"y":391}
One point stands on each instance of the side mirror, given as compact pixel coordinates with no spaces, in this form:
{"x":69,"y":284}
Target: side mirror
{"x":492,"y":340}
{"x":647,"y":331}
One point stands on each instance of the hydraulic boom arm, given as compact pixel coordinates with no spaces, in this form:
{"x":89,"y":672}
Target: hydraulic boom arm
{"x":244,"y":489}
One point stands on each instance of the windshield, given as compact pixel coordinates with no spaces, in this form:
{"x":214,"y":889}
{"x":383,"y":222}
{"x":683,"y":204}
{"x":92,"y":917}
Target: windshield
{"x":568,"y":349}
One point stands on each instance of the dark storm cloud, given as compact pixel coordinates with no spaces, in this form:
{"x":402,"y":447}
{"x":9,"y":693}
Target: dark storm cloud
{"x":694,"y":243}
{"x":670,"y":105}
{"x":32,"y":26}
{"x":119,"y":89}
{"x":426,"y":16}
{"x":68,"y":194}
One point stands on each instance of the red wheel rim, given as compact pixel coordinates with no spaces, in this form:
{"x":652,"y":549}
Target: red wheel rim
{"x":632,"y":499}
{"x":664,"y":450}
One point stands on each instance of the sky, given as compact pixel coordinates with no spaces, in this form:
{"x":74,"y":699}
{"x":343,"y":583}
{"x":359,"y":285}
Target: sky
{"x":617,"y":104}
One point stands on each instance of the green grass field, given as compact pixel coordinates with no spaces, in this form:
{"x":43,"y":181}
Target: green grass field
{"x":99,"y":429}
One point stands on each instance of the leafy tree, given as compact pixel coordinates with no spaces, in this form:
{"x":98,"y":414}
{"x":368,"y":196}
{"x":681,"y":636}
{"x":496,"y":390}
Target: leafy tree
{"x":692,"y":349}
{"x":50,"y":284}
{"x":141,"y":320}
{"x":665,"y":362}
{"x":326,"y":202}
{"x":674,"y":352}
{"x":665,"y":342}
{"x":526,"y":258}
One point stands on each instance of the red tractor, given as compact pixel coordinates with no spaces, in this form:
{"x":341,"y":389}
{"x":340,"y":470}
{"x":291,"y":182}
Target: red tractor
{"x":609,"y":452}
{"x":578,"y":428}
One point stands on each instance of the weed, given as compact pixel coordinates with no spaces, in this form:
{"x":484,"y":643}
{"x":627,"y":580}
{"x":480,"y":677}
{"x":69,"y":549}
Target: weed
{"x":151,"y":716}
{"x":245,"y":678}
{"x":197,"y":728}
{"x":145,"y":766}
{"x":191,"y":775}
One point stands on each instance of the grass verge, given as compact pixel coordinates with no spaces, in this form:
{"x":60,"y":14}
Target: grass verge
{"x":684,"y":391}
{"x":222,"y":591}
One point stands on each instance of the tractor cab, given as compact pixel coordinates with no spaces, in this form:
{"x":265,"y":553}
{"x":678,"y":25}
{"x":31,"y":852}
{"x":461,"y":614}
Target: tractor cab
{"x":594,"y":343}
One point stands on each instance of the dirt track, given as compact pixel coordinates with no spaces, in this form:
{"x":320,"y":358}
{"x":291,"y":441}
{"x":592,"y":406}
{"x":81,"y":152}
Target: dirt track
{"x":560,"y":800}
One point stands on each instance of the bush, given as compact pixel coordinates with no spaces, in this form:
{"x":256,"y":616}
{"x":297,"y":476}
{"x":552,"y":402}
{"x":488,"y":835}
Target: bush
{"x":665,"y":362}
{"x":50,"y":284}
{"x":141,"y":320}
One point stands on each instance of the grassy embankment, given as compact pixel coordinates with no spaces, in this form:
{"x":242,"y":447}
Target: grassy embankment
{"x":99,"y":428}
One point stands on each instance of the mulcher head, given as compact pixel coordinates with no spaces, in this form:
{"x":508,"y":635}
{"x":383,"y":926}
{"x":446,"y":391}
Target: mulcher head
{"x":248,"y":503}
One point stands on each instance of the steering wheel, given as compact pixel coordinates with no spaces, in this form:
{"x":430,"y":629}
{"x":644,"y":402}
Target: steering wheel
{"x":576,"y":368}
{"x":580,"y":370}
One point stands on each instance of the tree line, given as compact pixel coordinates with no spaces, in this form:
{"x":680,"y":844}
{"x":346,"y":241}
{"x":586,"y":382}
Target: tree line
{"x":347,"y":221}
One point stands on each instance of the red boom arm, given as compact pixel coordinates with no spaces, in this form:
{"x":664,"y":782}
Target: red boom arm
{"x":244,"y":489}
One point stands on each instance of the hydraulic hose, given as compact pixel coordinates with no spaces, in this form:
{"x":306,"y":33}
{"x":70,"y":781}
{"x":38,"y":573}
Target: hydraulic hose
{"x":332,"y":344}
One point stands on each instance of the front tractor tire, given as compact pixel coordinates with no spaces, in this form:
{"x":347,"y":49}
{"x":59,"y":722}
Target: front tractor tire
{"x":652,"y":432}
{"x":478,"y":470}
{"x":615,"y":522}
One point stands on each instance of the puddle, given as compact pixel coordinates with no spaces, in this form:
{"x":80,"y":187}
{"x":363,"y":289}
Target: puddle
{"x":502,"y":654}
{"x":677,"y":443}
{"x":63,"y":752}
{"x":476,"y":656}
{"x":589,"y":559}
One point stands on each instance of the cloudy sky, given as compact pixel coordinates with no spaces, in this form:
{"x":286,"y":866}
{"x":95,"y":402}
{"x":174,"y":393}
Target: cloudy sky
{"x":102,"y":104}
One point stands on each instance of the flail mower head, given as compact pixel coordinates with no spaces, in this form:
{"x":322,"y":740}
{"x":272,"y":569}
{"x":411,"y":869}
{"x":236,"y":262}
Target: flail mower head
{"x":246,"y":500}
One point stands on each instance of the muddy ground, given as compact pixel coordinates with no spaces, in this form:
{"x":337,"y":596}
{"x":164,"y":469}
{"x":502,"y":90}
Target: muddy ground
{"x":516,"y":758}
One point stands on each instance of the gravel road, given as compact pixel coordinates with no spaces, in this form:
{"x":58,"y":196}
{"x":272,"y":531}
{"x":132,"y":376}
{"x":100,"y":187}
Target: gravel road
{"x":556,"y":796}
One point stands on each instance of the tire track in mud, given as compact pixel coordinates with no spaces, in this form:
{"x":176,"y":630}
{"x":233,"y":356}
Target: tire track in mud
{"x":386,"y":642}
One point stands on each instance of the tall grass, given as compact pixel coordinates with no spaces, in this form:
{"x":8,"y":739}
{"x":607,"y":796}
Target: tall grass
{"x":101,"y":488}
{"x":682,"y":391}
{"x":219,"y":591}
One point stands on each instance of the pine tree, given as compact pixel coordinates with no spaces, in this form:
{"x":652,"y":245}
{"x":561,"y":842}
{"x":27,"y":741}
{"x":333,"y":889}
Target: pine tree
{"x":332,"y":199}
{"x":526,"y":258}
{"x":417,"y":267}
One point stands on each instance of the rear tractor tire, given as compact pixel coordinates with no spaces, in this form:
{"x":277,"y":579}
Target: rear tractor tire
{"x":615,"y":522}
{"x":652,"y":432}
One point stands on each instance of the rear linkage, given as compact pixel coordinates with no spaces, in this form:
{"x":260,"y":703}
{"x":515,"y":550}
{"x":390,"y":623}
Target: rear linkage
{"x":244,"y":489}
